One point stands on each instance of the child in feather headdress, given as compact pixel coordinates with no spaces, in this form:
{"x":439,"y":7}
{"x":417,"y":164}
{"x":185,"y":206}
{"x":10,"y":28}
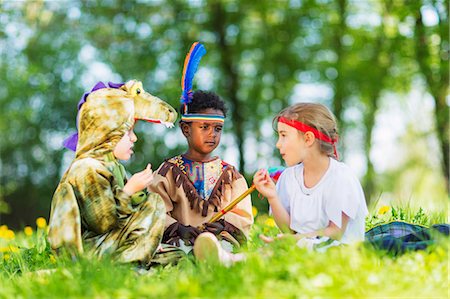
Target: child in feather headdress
{"x":94,"y":205}
{"x":197,"y":184}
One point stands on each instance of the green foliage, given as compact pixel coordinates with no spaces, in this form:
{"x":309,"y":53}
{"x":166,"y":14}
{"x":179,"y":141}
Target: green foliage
{"x":27,"y":254}
{"x":27,"y":260}
{"x":262,"y":56}
{"x":392,"y":213}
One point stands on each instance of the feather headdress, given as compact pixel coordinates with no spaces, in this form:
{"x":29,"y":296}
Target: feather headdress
{"x":190,"y":67}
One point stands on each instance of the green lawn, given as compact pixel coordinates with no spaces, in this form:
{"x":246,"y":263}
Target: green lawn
{"x":279,"y":270}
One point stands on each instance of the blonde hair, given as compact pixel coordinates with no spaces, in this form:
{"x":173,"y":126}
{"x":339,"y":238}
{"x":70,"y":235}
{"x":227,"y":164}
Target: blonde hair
{"x":317,"y":116}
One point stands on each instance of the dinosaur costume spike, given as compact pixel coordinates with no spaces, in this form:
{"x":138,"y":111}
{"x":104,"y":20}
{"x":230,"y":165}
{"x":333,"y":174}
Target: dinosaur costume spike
{"x":71,"y":141}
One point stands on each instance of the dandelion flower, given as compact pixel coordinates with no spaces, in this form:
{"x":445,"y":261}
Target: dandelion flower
{"x":3,"y":230}
{"x":41,"y":222}
{"x":270,"y":222}
{"x":9,"y":234}
{"x":254,"y":211}
{"x":6,"y":257}
{"x":28,"y":231}
{"x":383,"y":210}
{"x":13,"y":248}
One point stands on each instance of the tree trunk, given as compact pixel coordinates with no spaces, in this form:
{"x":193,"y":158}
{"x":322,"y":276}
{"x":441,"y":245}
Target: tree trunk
{"x":369,"y":121}
{"x":230,"y":77}
{"x":338,"y":101}
{"x":437,"y":81}
{"x":382,"y":47}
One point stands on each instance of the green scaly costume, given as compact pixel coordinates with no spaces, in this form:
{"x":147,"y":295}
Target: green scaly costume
{"x":89,"y":207}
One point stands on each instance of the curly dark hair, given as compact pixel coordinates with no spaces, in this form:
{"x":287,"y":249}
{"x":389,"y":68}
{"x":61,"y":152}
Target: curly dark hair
{"x":203,"y":100}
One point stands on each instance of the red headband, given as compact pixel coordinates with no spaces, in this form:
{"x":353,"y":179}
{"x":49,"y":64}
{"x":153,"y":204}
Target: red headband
{"x":305,"y":128}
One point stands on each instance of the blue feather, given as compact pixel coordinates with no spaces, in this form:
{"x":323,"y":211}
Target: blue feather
{"x":191,"y":63}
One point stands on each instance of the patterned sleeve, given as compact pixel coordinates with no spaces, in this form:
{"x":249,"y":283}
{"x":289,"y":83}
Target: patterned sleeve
{"x":102,"y":204}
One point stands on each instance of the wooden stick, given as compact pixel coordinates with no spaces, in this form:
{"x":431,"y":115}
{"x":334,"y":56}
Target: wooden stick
{"x":225,"y":210}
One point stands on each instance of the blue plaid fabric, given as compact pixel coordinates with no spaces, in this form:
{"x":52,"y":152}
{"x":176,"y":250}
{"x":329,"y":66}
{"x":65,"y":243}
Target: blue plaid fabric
{"x":398,"y":237}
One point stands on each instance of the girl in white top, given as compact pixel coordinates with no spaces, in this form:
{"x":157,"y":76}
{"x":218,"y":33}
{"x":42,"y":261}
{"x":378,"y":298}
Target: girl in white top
{"x":317,"y":197}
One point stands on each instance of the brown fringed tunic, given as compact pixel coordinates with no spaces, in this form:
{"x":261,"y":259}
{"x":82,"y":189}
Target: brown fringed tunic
{"x":186,"y":206}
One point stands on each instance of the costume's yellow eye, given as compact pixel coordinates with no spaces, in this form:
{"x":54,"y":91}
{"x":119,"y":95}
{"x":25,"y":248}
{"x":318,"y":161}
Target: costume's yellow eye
{"x":137,"y":88}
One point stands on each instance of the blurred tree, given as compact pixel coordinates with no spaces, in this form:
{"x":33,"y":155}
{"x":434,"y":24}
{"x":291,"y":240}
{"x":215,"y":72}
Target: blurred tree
{"x":432,"y":54}
{"x":257,"y":62}
{"x":262,"y":56}
{"x":39,"y":72}
{"x":380,"y":60}
{"x":410,"y":184}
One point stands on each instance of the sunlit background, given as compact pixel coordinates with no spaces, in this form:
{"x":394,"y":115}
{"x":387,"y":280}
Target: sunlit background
{"x":380,"y":66}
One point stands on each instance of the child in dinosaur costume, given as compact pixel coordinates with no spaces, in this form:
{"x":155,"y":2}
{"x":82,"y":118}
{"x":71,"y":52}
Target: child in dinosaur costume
{"x":94,"y":205}
{"x":196,"y":184}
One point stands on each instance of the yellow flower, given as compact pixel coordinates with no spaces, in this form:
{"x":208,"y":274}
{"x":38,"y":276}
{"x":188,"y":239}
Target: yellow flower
{"x":3,"y":230}
{"x":9,"y":248}
{"x":28,"y":231}
{"x":13,"y":248}
{"x":254,"y":211}
{"x":9,"y":234}
{"x":52,"y":259}
{"x":41,"y":222}
{"x":270,"y":222}
{"x":6,"y":256}
{"x":383,"y":210}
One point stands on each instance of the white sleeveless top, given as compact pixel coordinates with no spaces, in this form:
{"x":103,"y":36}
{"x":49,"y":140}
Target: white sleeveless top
{"x":311,"y":209}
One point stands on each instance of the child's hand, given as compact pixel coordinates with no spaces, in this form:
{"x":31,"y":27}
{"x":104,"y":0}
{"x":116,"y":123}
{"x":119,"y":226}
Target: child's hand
{"x":264,"y":184}
{"x":139,"y":181}
{"x":267,"y":239}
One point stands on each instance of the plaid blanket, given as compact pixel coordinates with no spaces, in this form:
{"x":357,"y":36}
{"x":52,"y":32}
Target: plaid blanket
{"x":398,"y":237}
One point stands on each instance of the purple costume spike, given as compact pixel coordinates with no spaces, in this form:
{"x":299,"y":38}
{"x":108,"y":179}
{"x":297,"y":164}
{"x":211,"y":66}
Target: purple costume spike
{"x":71,"y":141}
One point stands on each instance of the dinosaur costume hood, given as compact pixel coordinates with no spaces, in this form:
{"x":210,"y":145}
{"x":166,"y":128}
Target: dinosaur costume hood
{"x":107,"y":113}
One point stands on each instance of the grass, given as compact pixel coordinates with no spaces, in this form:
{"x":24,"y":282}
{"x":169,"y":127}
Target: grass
{"x":278,"y":270}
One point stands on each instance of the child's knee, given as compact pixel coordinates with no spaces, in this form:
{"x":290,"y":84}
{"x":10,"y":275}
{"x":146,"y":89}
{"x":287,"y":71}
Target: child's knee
{"x":157,"y":203}
{"x":153,"y":207}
